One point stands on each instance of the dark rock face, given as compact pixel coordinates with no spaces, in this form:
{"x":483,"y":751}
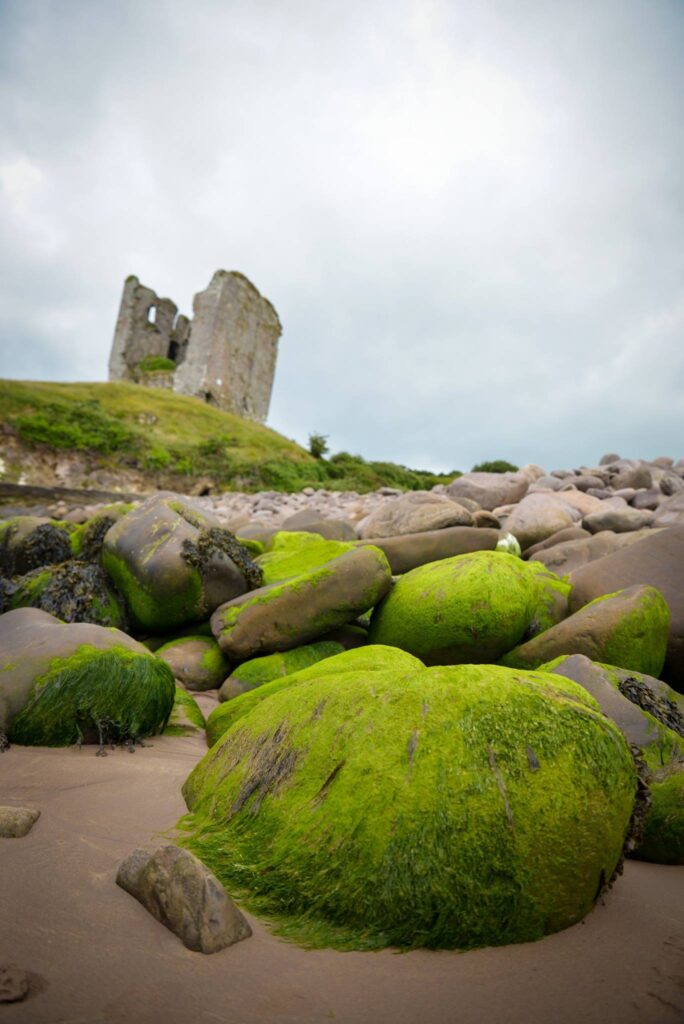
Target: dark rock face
{"x":185,"y":897}
{"x":657,"y":559}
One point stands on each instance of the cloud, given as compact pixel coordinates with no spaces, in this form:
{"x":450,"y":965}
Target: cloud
{"x":468,"y":216}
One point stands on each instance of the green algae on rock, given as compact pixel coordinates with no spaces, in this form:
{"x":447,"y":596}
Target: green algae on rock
{"x":186,"y":716}
{"x":345,"y":667}
{"x":470,"y":608}
{"x":30,"y":542}
{"x":629,"y":629}
{"x":663,"y":838}
{"x":552,"y":607}
{"x":451,"y":807}
{"x":72,"y":592}
{"x":258,"y":671}
{"x":87,"y":538}
{"x":63,"y":683}
{"x":288,"y":614}
{"x":172,"y":563}
{"x":291,"y":553}
{"x":197,"y":661}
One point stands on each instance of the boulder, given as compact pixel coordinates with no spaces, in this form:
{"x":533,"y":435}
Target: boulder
{"x":17,"y":822}
{"x":415,"y":549}
{"x":656,"y":559}
{"x":471,"y":608}
{"x":619,"y":520}
{"x":186,"y":715}
{"x":72,"y":592}
{"x":552,"y":602}
{"x":539,"y":516}
{"x":414,"y":512}
{"x":628,"y":628}
{"x":174,"y":564}
{"x":14,"y":983}
{"x":489,"y":490}
{"x":345,"y":667}
{"x":647,"y":499}
{"x":181,"y":893}
{"x":442,"y":807}
{"x":561,"y":537}
{"x":663,"y":837}
{"x":258,"y":671}
{"x":87,"y":538}
{"x":30,"y":542}
{"x":670,"y":512}
{"x":292,"y":553}
{"x":566,"y":557}
{"x":196,"y":661}
{"x":302,"y":608}
{"x":309,"y":521}
{"x":63,"y":684}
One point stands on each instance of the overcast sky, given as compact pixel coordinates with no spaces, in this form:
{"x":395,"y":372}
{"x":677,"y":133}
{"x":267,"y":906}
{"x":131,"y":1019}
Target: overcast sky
{"x":469,"y":215}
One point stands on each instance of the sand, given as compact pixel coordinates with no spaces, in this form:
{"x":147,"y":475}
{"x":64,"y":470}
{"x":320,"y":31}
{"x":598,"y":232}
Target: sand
{"x":97,"y":957}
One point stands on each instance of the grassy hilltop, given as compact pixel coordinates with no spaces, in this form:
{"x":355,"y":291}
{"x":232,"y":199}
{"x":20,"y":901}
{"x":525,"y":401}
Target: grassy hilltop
{"x":174,"y":440}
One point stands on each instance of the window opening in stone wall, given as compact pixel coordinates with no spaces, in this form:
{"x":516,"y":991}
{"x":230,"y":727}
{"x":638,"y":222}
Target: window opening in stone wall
{"x":152,"y":315}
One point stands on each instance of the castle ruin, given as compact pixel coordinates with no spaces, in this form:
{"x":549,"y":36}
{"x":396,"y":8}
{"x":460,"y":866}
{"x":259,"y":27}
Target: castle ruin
{"x":225,"y":355}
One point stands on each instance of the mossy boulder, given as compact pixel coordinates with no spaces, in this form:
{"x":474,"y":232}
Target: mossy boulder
{"x":629,"y":629}
{"x":651,"y":716}
{"x":86,"y":538}
{"x":30,"y":542}
{"x":455,"y":807}
{"x":174,"y":564}
{"x":186,"y":716}
{"x":196,"y":661}
{"x":72,"y":592}
{"x":552,"y":606}
{"x":302,"y":608}
{"x":663,"y":837}
{"x":471,"y":608}
{"x":258,"y":671}
{"x":63,"y":683}
{"x":291,"y":554}
{"x":345,"y":667}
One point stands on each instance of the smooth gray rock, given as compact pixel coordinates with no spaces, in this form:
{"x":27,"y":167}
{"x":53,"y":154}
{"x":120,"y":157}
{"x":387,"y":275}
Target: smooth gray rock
{"x":489,"y":490}
{"x":414,"y":512}
{"x":185,"y":897}
{"x":619,"y":520}
{"x":16,"y":822}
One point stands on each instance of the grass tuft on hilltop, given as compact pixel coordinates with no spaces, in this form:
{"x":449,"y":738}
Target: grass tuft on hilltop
{"x":177,"y":439}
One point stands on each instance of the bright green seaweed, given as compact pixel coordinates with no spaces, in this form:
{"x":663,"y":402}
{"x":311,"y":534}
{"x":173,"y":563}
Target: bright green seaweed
{"x":446,"y":807}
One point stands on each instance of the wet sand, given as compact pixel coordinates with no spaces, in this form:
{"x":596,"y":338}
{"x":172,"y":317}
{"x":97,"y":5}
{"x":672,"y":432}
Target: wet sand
{"x":97,"y":957}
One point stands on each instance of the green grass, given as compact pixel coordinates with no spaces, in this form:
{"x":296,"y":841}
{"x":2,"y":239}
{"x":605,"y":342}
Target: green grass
{"x":182,"y":439}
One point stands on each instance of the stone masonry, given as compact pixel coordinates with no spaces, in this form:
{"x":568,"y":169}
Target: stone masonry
{"x":225,"y":355}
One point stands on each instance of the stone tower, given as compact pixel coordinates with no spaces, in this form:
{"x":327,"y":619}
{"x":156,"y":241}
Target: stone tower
{"x":225,"y":355}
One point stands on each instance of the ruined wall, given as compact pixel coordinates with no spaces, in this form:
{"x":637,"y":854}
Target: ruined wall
{"x":225,"y":355}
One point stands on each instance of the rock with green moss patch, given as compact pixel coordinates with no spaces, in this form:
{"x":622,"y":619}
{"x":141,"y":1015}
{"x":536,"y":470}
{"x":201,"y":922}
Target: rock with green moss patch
{"x":63,"y":683}
{"x":471,"y":608}
{"x":30,"y":542}
{"x":458,"y":806}
{"x":258,"y":671}
{"x":346,"y":667}
{"x":651,"y":716}
{"x":186,"y":716}
{"x":663,"y":838}
{"x":629,"y":628}
{"x":72,"y":592}
{"x":196,"y":661}
{"x":302,"y":608}
{"x":291,"y":554}
{"x":174,"y":564}
{"x":552,"y":606}
{"x":87,"y":538}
